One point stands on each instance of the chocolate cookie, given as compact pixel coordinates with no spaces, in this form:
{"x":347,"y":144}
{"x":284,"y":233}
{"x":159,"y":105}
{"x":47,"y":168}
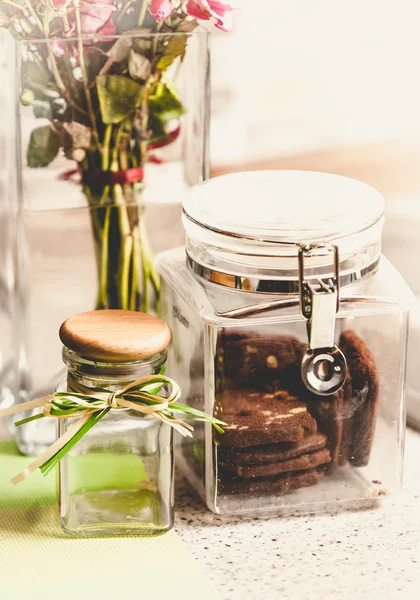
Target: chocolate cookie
{"x":300,"y":463}
{"x":255,"y":418}
{"x":271,"y":485}
{"x":347,"y":422}
{"x":328,"y":414}
{"x":272,"y":453}
{"x":258,"y":360}
{"x":365,"y":396}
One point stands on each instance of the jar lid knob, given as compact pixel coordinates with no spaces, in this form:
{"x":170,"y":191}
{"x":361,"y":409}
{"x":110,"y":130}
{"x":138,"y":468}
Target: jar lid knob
{"x":115,"y":335}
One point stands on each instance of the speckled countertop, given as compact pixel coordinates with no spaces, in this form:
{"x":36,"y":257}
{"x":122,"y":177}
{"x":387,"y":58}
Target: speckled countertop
{"x":342,"y":556}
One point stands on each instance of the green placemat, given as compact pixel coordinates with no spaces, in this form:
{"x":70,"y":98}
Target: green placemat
{"x":37,"y":561}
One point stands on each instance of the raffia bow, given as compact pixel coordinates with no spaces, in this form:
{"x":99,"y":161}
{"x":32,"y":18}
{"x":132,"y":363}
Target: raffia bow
{"x":90,"y":408}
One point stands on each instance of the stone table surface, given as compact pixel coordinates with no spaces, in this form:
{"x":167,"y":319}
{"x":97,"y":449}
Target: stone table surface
{"x":342,"y":556}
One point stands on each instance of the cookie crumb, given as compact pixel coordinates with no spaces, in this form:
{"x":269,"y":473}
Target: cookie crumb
{"x":252,"y":350}
{"x":272,"y":362}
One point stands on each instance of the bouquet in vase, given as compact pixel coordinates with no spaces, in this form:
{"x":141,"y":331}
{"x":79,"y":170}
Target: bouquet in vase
{"x":103,"y":73}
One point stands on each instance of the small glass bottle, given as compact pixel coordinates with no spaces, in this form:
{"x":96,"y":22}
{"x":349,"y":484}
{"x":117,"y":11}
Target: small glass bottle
{"x":118,"y":479}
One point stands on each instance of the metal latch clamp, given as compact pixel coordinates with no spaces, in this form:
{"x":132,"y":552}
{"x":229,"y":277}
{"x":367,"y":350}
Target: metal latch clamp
{"x":324,"y":366}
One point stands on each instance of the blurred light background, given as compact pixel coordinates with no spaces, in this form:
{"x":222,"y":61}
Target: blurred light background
{"x":329,"y":86}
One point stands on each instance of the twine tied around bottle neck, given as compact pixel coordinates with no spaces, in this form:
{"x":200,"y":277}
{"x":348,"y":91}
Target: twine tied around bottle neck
{"x":89,"y":407}
{"x":112,"y":400}
{"x":135,"y":396}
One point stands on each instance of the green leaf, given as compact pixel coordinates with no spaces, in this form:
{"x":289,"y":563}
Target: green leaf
{"x":157,"y":129}
{"x":143,"y":45}
{"x":43,"y":147}
{"x":164,"y":103}
{"x":36,"y":78}
{"x":119,"y":97}
{"x":176,"y":45}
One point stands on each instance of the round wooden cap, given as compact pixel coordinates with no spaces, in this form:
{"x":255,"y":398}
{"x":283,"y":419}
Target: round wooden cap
{"x":115,"y":335}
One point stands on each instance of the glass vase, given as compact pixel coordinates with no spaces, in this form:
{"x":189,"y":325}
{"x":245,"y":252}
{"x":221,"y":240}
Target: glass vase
{"x":9,"y":324}
{"x":110,"y":131}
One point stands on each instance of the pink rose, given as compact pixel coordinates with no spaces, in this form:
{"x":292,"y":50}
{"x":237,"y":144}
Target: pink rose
{"x":161,"y":9}
{"x":95,"y":17}
{"x":211,"y":9}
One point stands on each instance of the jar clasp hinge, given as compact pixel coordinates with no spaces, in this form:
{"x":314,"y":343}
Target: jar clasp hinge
{"x":324,"y":366}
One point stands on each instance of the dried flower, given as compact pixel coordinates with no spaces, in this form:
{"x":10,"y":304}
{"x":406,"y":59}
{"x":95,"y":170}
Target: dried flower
{"x":95,"y":17}
{"x":211,"y":9}
{"x":111,"y":101}
{"x":161,"y":9}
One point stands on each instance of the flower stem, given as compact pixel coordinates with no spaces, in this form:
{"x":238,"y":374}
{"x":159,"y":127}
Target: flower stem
{"x":136,"y":266}
{"x":56,"y":72}
{"x":156,"y":38}
{"x":103,"y":300}
{"x":127,"y":5}
{"x":126,"y":247}
{"x":34,"y":15}
{"x":126,"y":276}
{"x":14,"y":4}
{"x":84,"y":70}
{"x":106,"y":147}
{"x":150,"y":275}
{"x":143,"y":10}
{"x":51,"y":55}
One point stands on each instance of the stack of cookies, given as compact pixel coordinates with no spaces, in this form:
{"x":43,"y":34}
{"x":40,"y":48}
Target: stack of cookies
{"x":280,"y":437}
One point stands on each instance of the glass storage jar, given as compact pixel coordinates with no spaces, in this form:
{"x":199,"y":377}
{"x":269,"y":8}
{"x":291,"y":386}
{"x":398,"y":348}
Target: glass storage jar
{"x":118,"y":478}
{"x":290,"y":326}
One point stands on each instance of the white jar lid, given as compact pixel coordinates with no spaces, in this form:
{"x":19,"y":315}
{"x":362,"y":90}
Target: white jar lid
{"x":253,"y":224}
{"x":284,"y":206}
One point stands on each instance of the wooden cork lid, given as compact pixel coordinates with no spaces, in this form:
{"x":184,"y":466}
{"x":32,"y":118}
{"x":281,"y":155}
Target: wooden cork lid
{"x":115,"y":335}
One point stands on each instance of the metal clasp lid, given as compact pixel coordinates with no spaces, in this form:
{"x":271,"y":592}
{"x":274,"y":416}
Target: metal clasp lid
{"x":324,"y":366}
